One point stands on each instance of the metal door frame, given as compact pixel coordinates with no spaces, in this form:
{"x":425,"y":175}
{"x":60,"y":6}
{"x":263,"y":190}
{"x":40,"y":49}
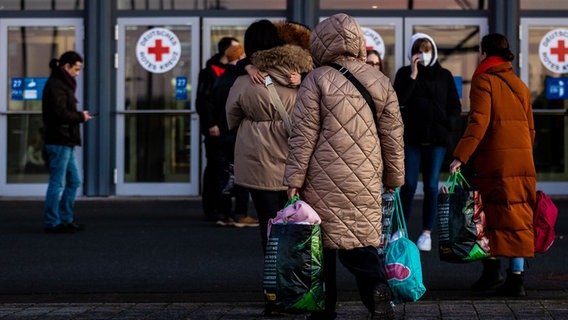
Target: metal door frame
{"x":191,"y":188}
{"x":550,"y":187}
{"x":32,"y":189}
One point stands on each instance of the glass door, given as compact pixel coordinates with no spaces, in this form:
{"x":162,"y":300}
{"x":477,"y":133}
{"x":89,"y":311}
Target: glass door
{"x":544,"y":68}
{"x":26,"y":47}
{"x":157,"y":127}
{"x":385,"y":35}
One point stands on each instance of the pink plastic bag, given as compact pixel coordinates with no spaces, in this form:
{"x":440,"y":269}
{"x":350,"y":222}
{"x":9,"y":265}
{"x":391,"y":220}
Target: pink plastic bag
{"x":545,"y":214}
{"x":295,"y":211}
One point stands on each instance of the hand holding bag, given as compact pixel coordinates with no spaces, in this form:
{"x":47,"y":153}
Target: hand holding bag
{"x":402,"y":258}
{"x":293,"y":264}
{"x":461,"y":222}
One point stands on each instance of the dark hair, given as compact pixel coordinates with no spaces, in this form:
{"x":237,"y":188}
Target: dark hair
{"x":421,"y":44}
{"x":69,"y":57}
{"x":375,"y":52}
{"x":225,"y":43}
{"x":261,"y":35}
{"x":496,"y":44}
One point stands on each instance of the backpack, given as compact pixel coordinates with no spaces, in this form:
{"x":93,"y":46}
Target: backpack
{"x":545,"y":214}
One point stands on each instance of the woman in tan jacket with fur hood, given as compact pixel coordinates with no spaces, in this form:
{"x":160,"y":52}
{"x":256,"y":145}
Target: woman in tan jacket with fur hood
{"x":339,"y":161}
{"x":262,"y":138}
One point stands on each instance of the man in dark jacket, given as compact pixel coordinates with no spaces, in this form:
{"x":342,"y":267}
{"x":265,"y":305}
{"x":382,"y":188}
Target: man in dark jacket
{"x":204,"y":104}
{"x":61,"y":133}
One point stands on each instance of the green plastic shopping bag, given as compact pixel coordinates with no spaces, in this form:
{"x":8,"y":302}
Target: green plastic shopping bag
{"x":461,"y":222}
{"x":402,"y":259}
{"x":293,"y":279}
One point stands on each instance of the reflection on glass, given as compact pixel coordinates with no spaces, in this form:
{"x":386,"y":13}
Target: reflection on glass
{"x":199,"y":5}
{"x":550,"y":143}
{"x":29,"y":51}
{"x":409,"y":5}
{"x":157,"y":148}
{"x":156,"y":91}
{"x":25,"y":144}
{"x":387,"y":34}
{"x":42,"y":5}
{"x":218,"y":32}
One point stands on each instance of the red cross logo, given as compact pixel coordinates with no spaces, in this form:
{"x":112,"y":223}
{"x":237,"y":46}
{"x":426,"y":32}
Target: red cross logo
{"x":560,"y":50}
{"x":158,"y":50}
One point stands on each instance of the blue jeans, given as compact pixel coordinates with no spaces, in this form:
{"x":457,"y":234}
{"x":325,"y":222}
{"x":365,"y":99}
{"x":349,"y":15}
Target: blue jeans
{"x":427,"y":158}
{"x":64,"y":180}
{"x":517,"y":264}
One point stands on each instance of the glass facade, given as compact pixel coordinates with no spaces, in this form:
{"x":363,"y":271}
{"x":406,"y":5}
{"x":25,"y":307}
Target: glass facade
{"x":151,"y":124}
{"x":29,"y":51}
{"x":200,"y":5}
{"x":157,"y":143}
{"x":404,"y":5}
{"x":42,"y":4}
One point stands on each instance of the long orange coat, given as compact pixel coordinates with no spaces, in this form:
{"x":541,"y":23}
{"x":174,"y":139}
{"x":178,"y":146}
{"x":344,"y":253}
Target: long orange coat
{"x":499,"y":140}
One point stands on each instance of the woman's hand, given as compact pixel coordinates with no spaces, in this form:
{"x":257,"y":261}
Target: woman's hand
{"x":255,"y":75}
{"x":292,"y":192}
{"x":294,"y":79}
{"x":414,"y":60}
{"x":455,"y":166}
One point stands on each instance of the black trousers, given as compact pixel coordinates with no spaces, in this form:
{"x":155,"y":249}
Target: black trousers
{"x":267,"y":203}
{"x":365,"y":264}
{"x":215,"y":206}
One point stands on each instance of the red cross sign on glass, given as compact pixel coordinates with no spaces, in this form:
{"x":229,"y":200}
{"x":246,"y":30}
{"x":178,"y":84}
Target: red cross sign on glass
{"x":158,"y":50}
{"x":553,"y":50}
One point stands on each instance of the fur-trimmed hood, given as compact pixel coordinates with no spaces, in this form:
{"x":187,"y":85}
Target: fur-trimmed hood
{"x":279,"y":62}
{"x":293,"y":33}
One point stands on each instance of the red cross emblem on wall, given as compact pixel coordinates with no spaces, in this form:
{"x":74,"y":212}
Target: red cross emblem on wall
{"x":158,"y":50}
{"x":561,"y":51}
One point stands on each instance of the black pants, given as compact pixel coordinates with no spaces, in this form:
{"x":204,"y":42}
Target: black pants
{"x":365,"y":264}
{"x":215,"y":206}
{"x":267,"y":203}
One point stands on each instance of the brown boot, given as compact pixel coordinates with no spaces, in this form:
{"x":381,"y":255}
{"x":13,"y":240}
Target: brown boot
{"x":491,"y":276}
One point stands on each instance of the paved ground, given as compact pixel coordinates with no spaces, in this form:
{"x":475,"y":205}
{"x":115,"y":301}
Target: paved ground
{"x":157,"y":259}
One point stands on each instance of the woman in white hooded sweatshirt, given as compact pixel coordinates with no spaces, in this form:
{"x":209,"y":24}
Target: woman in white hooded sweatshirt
{"x":430,"y":108}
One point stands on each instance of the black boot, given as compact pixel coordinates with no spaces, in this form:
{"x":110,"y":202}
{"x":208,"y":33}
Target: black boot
{"x":513,"y":286}
{"x":382,"y":296}
{"x":491,"y":276}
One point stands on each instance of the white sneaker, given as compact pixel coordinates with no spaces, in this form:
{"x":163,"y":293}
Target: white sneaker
{"x":424,"y":242}
{"x":397,"y":235}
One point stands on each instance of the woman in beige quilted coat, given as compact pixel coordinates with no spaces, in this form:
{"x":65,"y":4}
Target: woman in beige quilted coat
{"x":262,"y":138}
{"x":339,"y":162}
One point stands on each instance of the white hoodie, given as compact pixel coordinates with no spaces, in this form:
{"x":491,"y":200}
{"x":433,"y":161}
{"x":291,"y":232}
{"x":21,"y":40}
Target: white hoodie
{"x":420,"y":35}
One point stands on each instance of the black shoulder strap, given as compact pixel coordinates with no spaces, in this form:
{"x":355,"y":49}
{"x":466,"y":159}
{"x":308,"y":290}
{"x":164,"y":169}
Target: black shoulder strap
{"x":366,"y":95}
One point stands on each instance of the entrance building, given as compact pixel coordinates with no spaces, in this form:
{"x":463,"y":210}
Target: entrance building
{"x":142,"y":59}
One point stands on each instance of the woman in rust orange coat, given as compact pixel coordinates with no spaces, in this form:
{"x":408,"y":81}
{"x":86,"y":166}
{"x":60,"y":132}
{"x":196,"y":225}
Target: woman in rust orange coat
{"x":498,"y":141}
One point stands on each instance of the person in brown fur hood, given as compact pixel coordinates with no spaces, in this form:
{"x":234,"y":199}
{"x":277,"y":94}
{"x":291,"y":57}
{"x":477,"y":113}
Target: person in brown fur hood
{"x":262,"y":133}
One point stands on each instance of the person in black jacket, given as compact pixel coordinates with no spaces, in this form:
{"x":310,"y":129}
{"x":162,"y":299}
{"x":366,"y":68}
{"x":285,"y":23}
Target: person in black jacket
{"x":210,"y":131}
{"x":220,"y":92}
{"x":430,"y":108}
{"x":61,"y":121}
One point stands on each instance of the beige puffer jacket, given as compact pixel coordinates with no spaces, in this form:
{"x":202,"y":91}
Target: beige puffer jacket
{"x":337,"y":158}
{"x":262,"y":140}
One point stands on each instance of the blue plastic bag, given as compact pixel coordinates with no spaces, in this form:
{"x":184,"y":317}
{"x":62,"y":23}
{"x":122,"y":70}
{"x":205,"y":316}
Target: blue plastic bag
{"x":402,"y":259}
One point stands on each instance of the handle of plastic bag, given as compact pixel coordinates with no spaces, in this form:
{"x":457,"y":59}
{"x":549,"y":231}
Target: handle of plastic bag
{"x":456,"y":178}
{"x":291,"y":201}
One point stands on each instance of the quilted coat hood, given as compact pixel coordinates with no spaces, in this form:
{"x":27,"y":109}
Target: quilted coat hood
{"x":336,"y":36}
